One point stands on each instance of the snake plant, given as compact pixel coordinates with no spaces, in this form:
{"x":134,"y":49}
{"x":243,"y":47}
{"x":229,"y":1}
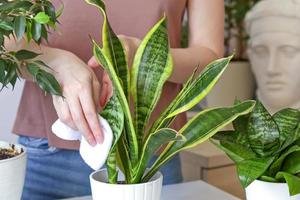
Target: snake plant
{"x":135,"y":139}
{"x":265,"y":147}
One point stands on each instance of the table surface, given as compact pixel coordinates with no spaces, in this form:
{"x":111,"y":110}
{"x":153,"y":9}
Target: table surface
{"x":197,"y":190}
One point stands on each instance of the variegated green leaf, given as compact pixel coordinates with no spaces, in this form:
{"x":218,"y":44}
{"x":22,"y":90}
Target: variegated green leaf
{"x":113,"y":113}
{"x":193,"y":92}
{"x":252,"y":169}
{"x":292,"y":163}
{"x":152,"y":66}
{"x":113,"y":48}
{"x":287,"y":121}
{"x":154,"y":142}
{"x":235,"y":151}
{"x":200,"y":128}
{"x":292,"y":181}
{"x":277,"y":164}
{"x":263,"y":133}
{"x":130,"y":132}
{"x":111,"y":164}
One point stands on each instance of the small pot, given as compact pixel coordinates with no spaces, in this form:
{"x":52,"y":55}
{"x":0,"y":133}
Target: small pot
{"x":12,"y":174}
{"x":267,"y":190}
{"x":101,"y":189}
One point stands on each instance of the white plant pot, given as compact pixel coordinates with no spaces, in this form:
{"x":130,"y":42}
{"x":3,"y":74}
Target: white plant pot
{"x":101,"y":189}
{"x":261,"y":190}
{"x":12,"y":174}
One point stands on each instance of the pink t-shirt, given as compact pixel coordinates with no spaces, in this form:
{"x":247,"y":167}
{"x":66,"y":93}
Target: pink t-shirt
{"x":134,"y":18}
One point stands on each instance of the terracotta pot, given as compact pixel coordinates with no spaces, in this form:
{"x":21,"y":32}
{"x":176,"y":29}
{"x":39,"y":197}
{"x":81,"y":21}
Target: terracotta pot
{"x":101,"y":189}
{"x":12,"y":174}
{"x":261,"y":190}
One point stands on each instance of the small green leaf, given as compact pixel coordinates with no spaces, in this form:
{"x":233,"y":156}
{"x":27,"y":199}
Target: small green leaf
{"x":48,"y":83}
{"x":42,"y":64}
{"x":154,"y":142}
{"x":1,"y":39}
{"x":33,"y":69}
{"x":292,"y":163}
{"x":287,"y":121}
{"x":2,"y":71}
{"x":42,"y":18}
{"x":26,"y":55}
{"x":28,"y":30}
{"x":263,"y":134}
{"x":11,"y":75}
{"x":36,"y":31}
{"x":19,"y":26}
{"x":252,"y":169}
{"x":277,"y":164}
{"x":235,"y":151}
{"x":292,"y":181}
{"x":45,"y":80}
{"x":6,"y":26}
{"x":59,"y":11}
{"x":268,"y":179}
{"x":50,"y":11}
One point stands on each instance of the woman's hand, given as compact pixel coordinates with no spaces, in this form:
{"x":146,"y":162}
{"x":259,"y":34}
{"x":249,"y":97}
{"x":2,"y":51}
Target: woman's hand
{"x":81,"y":90}
{"x":130,"y":45}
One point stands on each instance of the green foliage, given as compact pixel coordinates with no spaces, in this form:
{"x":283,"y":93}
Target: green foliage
{"x":31,"y":20}
{"x":265,"y":147}
{"x":136,"y":140}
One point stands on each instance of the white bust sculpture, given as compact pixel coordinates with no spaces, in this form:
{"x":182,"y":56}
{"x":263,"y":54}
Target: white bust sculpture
{"x":274,"y":52}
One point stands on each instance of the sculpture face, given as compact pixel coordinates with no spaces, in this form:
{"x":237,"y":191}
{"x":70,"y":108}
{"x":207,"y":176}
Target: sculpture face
{"x":275,"y":60}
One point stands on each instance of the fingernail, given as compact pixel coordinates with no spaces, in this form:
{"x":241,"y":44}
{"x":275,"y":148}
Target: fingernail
{"x":92,"y":142}
{"x":99,"y":139}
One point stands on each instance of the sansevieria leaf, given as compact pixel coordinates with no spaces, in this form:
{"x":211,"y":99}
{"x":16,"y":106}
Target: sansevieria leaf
{"x":287,"y":121}
{"x":113,"y":113}
{"x":277,"y":164}
{"x":130,"y":132}
{"x":292,"y":181}
{"x":292,"y":163}
{"x":154,"y":142}
{"x":235,"y":151}
{"x":152,"y":66}
{"x":200,"y":128}
{"x":263,"y":133}
{"x":113,"y":48}
{"x":252,"y":169}
{"x":193,"y":92}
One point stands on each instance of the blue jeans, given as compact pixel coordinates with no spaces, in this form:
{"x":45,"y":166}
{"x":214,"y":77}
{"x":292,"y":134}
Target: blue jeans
{"x":54,"y":173}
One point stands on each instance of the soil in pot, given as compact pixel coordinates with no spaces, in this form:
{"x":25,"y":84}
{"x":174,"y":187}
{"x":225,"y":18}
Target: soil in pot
{"x":10,"y":152}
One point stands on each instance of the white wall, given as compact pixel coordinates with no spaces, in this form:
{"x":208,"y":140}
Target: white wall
{"x":9,"y":101}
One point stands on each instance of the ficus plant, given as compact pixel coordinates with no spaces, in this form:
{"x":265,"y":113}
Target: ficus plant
{"x":135,"y":139}
{"x":265,"y":146}
{"x":28,"y":20}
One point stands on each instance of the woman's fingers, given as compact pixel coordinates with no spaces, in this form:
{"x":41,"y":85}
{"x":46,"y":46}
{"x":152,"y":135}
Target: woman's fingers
{"x":93,"y":62}
{"x":90,"y":113}
{"x":106,"y":90}
{"x":80,"y":121}
{"x":96,"y":87}
{"x":63,"y":111}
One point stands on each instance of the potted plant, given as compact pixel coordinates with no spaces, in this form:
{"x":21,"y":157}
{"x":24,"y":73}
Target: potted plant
{"x":266,"y":150}
{"x":12,"y":170}
{"x":33,"y":19}
{"x":128,"y":175}
{"x":238,"y":81}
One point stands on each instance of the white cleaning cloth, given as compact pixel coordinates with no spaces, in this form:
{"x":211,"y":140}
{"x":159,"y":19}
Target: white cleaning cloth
{"x":95,"y":156}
